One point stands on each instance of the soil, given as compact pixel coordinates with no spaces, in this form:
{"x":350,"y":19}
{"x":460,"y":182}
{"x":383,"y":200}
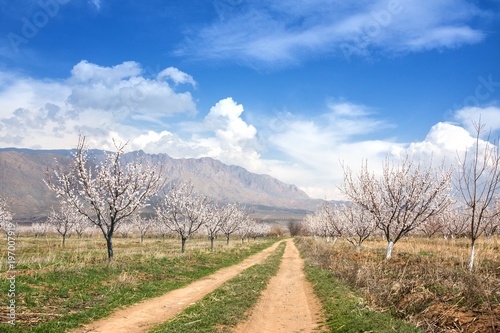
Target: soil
{"x":143,"y":316}
{"x":288,"y":304}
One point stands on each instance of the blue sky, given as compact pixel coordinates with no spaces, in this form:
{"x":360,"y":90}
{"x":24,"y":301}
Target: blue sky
{"x":287,"y":88}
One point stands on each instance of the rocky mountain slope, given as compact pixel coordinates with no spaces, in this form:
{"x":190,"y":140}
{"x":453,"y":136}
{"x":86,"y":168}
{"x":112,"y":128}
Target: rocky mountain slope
{"x":22,"y":172}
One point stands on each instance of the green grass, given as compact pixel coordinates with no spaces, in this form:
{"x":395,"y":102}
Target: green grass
{"x":222,"y":309}
{"x":61,"y":298}
{"x":344,"y":308}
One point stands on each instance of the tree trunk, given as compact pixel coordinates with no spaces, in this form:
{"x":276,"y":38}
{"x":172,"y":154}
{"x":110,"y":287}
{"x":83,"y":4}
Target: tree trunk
{"x":183,"y":239}
{"x":64,"y":240}
{"x":471,"y":263}
{"x":389,"y":250}
{"x":110,"y":249}
{"x":142,"y":238}
{"x":212,"y":243}
{"x":357,"y":247}
{"x":227,"y":239}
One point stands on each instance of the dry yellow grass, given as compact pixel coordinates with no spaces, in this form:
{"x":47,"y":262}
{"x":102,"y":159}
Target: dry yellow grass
{"x":426,"y":281}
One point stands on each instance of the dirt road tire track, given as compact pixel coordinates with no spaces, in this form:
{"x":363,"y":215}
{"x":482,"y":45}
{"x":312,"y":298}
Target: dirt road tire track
{"x":143,"y":316}
{"x":288,"y":304}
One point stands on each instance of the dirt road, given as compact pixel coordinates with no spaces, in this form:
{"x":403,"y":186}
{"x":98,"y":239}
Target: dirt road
{"x":143,"y":316}
{"x":288,"y":304}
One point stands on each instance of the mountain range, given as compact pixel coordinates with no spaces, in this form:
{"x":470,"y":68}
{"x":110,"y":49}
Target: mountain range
{"x":22,"y":172}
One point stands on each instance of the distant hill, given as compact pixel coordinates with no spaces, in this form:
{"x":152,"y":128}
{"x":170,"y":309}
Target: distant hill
{"x":22,"y":172}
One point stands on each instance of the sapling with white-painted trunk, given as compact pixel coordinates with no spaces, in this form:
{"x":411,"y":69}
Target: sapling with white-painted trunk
{"x":478,"y":183}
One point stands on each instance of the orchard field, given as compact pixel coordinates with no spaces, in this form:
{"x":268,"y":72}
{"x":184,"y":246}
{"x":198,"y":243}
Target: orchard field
{"x":58,"y":288}
{"x":425,"y":283}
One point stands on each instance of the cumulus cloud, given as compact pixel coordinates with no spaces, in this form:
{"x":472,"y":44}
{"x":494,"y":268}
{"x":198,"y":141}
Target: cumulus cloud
{"x":489,"y":115}
{"x":177,"y":76}
{"x":122,"y":90}
{"x":224,"y":136}
{"x":304,"y":151}
{"x":94,"y":100}
{"x":316,"y":146}
{"x":270,"y":33}
{"x":444,"y":141}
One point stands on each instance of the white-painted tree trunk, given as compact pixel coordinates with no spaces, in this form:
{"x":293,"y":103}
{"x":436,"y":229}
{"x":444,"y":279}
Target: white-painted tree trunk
{"x":471,"y":264}
{"x":389,"y":249}
{"x":328,"y":239}
{"x":334,"y":240}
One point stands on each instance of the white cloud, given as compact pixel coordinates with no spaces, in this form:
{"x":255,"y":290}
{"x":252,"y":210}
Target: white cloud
{"x":469,"y":115}
{"x":50,"y":114}
{"x":315,"y":147}
{"x":177,"y":76}
{"x":270,"y":33}
{"x":94,"y":100}
{"x":444,"y":141}
{"x":224,"y":136}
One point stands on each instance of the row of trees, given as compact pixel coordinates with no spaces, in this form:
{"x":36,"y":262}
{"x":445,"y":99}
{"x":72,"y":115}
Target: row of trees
{"x":68,"y":224}
{"x":5,"y":215}
{"x":411,"y":196}
{"x":110,"y":192}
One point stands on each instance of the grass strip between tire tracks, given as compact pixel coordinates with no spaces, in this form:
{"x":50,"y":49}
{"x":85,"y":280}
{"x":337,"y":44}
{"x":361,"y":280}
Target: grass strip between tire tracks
{"x":225,"y":307}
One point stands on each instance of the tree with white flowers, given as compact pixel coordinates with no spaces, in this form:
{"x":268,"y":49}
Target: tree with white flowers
{"x":81,"y":225}
{"x":235,"y":216}
{"x":217,"y":215}
{"x":107,"y":192}
{"x":182,"y":210}
{"x":456,"y":220}
{"x":405,"y":197}
{"x":492,"y":225}
{"x":5,"y":215}
{"x":478,"y":184}
{"x":142,"y":224}
{"x":40,"y":229}
{"x":434,"y":225}
{"x":328,"y":223}
{"x":247,"y":227}
{"x":355,"y":223}
{"x":63,"y":221}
